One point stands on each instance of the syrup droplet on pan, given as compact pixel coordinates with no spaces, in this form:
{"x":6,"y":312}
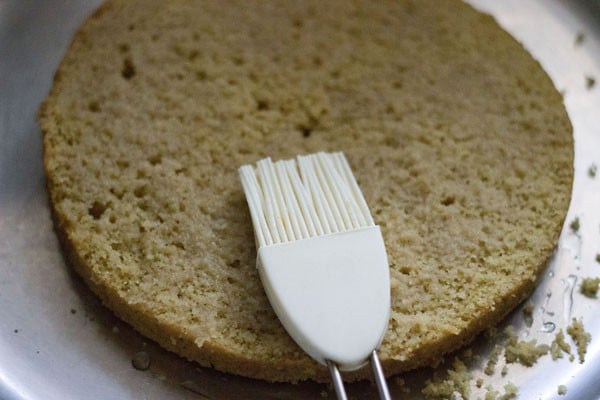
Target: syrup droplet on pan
{"x":548,"y":327}
{"x":568,"y":296}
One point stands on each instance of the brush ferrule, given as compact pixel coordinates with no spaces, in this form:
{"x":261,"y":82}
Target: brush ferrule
{"x":331,"y":293}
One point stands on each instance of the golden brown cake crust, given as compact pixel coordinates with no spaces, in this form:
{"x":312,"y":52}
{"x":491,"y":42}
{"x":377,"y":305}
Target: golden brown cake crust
{"x":457,"y":137}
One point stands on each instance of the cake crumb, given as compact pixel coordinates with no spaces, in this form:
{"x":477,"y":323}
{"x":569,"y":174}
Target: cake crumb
{"x":491,"y":393}
{"x":598,"y":258}
{"x":589,"y":287}
{"x":491,"y":333}
{"x":141,"y":361}
{"x":467,"y":356}
{"x":324,"y":394}
{"x":509,"y":332}
{"x":592,"y":171}
{"x":479,"y":382}
{"x":525,"y":353}
{"x":590,"y":82}
{"x":401,"y":383}
{"x":456,"y":381}
{"x":562,"y":390}
{"x":490,"y":367}
{"x":504,"y":370}
{"x":581,"y":338}
{"x":510,"y":392}
{"x":575,"y":225}
{"x":528,"y":315}
{"x":558,"y":346}
{"x":579,"y":39}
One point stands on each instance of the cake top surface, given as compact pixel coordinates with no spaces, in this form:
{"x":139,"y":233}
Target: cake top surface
{"x":457,"y":138}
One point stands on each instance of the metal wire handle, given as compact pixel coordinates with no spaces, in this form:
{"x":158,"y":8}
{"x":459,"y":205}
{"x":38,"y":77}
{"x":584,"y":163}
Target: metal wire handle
{"x":338,"y":382}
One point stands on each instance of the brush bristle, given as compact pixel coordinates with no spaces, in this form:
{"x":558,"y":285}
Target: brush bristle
{"x":309,"y":196}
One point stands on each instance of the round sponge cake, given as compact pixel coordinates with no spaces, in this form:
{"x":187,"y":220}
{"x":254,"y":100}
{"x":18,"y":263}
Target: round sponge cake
{"x":458,"y":139}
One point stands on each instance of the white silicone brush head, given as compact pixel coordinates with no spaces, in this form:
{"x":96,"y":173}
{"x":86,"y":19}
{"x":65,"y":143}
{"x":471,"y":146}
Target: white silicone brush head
{"x":321,"y":258}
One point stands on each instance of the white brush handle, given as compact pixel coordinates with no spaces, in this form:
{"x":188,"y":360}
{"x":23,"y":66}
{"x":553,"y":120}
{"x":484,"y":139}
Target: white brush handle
{"x":331,"y":293}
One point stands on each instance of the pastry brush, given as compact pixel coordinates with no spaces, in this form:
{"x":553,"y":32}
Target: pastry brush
{"x":321,"y":260}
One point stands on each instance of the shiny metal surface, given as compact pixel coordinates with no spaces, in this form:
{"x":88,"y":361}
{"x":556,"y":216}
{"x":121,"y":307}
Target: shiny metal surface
{"x":379,"y":377}
{"x":337,"y":381}
{"x":58,"y":342}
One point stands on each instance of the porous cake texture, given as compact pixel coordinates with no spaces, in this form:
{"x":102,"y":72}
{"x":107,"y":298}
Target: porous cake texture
{"x":458,"y":139}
